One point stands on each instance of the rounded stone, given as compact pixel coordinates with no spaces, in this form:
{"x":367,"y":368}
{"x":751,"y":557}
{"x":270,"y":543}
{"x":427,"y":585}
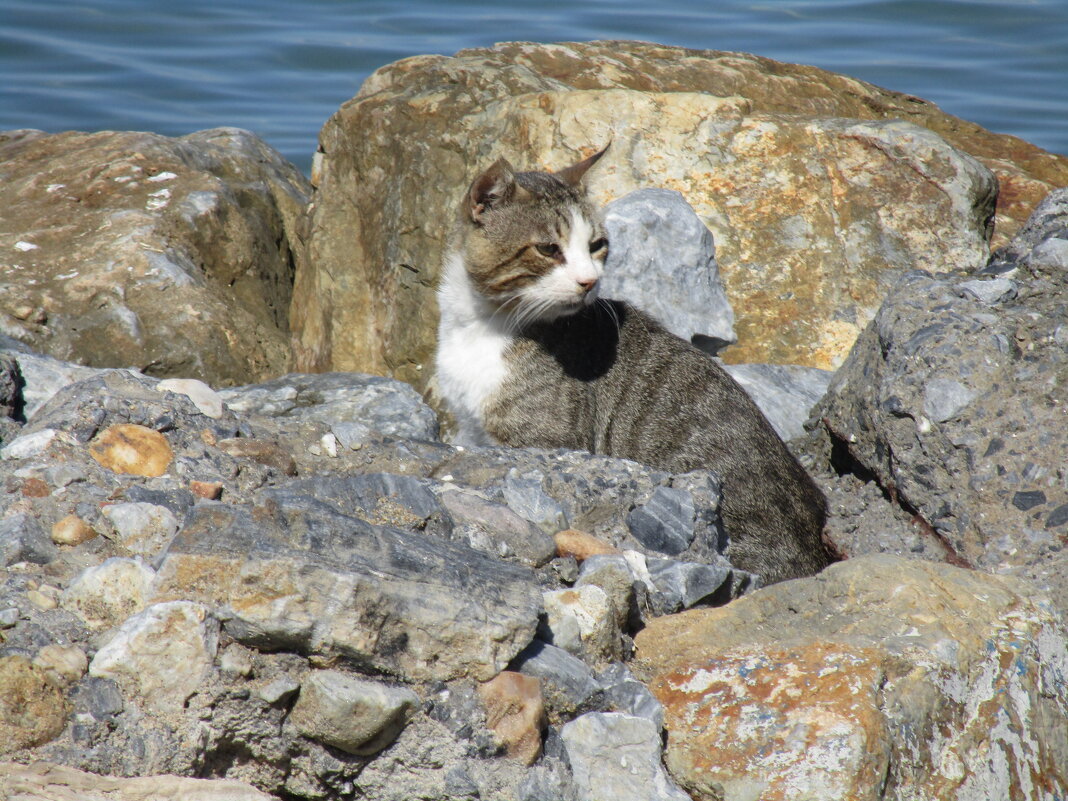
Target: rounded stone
{"x":132,"y":449}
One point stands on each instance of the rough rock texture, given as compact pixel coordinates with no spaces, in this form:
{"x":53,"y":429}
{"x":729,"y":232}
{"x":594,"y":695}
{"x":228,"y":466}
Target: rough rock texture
{"x":955,"y":405}
{"x":678,"y":284}
{"x":879,"y":678}
{"x":785,"y":393}
{"x":132,"y":249}
{"x":44,"y":782}
{"x":32,"y":708}
{"x":806,"y":249}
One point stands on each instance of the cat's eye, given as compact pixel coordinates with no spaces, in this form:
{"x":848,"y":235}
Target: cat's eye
{"x":548,"y":249}
{"x":598,"y":244}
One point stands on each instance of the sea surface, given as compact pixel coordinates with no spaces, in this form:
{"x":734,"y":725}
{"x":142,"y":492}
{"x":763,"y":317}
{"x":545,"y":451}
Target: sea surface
{"x":282,"y":68}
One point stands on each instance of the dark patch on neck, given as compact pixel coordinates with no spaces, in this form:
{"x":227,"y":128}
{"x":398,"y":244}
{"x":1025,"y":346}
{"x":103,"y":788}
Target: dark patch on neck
{"x":584,"y":344}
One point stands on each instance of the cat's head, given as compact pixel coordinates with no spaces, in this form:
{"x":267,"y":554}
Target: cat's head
{"x":532,"y":242}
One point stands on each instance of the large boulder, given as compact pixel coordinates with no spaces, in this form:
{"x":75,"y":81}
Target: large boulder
{"x":817,"y":192}
{"x":953,"y":401}
{"x":881,"y":678}
{"x":125,"y":249}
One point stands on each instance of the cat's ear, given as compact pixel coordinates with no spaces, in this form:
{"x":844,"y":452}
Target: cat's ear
{"x":573,"y":174}
{"x":495,"y":187}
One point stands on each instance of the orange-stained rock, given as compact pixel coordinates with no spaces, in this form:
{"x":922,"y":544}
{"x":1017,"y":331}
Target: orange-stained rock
{"x":72,"y":530}
{"x":134,"y":449}
{"x":581,"y":545}
{"x":880,"y":678}
{"x":515,"y":712}
{"x":211,"y":490}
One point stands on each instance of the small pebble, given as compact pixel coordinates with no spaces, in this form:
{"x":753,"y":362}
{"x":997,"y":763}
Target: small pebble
{"x":41,"y":601}
{"x":9,"y":617}
{"x":72,"y":530}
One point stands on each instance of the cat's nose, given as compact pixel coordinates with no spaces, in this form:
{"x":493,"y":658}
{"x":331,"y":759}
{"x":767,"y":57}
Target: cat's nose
{"x":587,"y":284}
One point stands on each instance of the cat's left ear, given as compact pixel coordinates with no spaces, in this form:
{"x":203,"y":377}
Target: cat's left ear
{"x":495,"y":187}
{"x":573,"y":174}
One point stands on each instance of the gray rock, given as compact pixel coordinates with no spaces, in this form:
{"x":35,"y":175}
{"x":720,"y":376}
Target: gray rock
{"x":359,"y":717}
{"x":955,"y":409}
{"x":98,"y":697}
{"x":23,"y":539}
{"x":617,"y":756}
{"x":525,"y":497}
{"x":662,"y":259}
{"x":568,"y":684}
{"x":495,"y":529}
{"x":26,"y":446}
{"x":785,"y":393}
{"x":388,"y":407}
{"x":1049,"y":221}
{"x":550,"y":780}
{"x":44,"y":376}
{"x":990,"y":292}
{"x":143,"y":529}
{"x":665,"y":523}
{"x":278,"y":689}
{"x":297,"y":574}
{"x":624,"y":693}
{"x":682,"y":585}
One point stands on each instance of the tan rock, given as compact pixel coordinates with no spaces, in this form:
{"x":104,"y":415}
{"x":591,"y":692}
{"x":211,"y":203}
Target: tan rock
{"x":133,"y":449}
{"x":210,"y":490}
{"x":266,"y":452}
{"x":817,"y":194}
{"x":881,"y":678}
{"x":32,"y":708}
{"x":64,"y":664}
{"x":515,"y":711}
{"x":105,"y":595}
{"x":43,"y":781}
{"x":581,"y":545}
{"x":72,"y":530}
{"x":170,"y":255}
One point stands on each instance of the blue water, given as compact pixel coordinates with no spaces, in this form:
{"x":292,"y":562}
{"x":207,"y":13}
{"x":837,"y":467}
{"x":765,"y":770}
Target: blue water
{"x":281,"y":68}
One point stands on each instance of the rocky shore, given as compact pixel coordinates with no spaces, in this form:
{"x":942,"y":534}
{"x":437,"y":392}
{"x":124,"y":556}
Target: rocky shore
{"x":239,"y":558}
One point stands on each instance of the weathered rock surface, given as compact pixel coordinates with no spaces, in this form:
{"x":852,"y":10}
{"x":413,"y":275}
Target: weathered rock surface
{"x":663,"y":260}
{"x":785,"y":393}
{"x":33,"y":710}
{"x":130,"y":249}
{"x":857,"y":196}
{"x":879,"y":678}
{"x":955,"y":405}
{"x":45,"y":782}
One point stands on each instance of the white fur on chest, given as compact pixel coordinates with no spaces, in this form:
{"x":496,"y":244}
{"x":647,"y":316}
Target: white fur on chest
{"x":471,"y":347}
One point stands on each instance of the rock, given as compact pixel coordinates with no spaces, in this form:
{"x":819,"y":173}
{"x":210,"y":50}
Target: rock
{"x":236,"y":661}
{"x":23,"y":540}
{"x":357,"y":716}
{"x":172,"y":255}
{"x":568,"y":685}
{"x":64,"y":665}
{"x":43,"y":781}
{"x":880,"y":672}
{"x":270,"y":454}
{"x":897,"y":195}
{"x":32,"y":708}
{"x":143,"y":529}
{"x":72,"y":530}
{"x":662,"y":259}
{"x":132,"y":449}
{"x":29,"y":445}
{"x":495,"y":529}
{"x":952,"y":405}
{"x":785,"y":393}
{"x":209,"y":490}
{"x":990,"y":292}
{"x":204,"y":397}
{"x":682,"y":585}
{"x":613,"y":575}
{"x":107,"y":594}
{"x":42,"y":376}
{"x":618,"y":756}
{"x":665,"y":523}
{"x":625,"y":693}
{"x":296,"y":574}
{"x":583,"y":621}
{"x":525,"y":497}
{"x":388,"y":407}
{"x":581,"y":545}
{"x":163,"y":653}
{"x":516,"y":713}
{"x":277,"y":690}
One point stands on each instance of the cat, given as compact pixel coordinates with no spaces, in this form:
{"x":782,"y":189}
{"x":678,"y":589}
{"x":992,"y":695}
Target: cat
{"x":529,"y":356}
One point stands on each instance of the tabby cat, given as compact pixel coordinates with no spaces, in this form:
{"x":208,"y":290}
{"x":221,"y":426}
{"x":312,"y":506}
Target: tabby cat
{"x":528,"y":355}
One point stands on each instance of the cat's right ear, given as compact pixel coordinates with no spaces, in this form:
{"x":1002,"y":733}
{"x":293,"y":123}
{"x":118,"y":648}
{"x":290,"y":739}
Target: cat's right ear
{"x":495,"y":187}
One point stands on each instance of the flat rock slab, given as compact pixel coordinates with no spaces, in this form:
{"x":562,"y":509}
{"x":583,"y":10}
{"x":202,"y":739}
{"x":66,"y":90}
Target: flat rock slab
{"x":934,"y":681}
{"x":295,"y":573}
